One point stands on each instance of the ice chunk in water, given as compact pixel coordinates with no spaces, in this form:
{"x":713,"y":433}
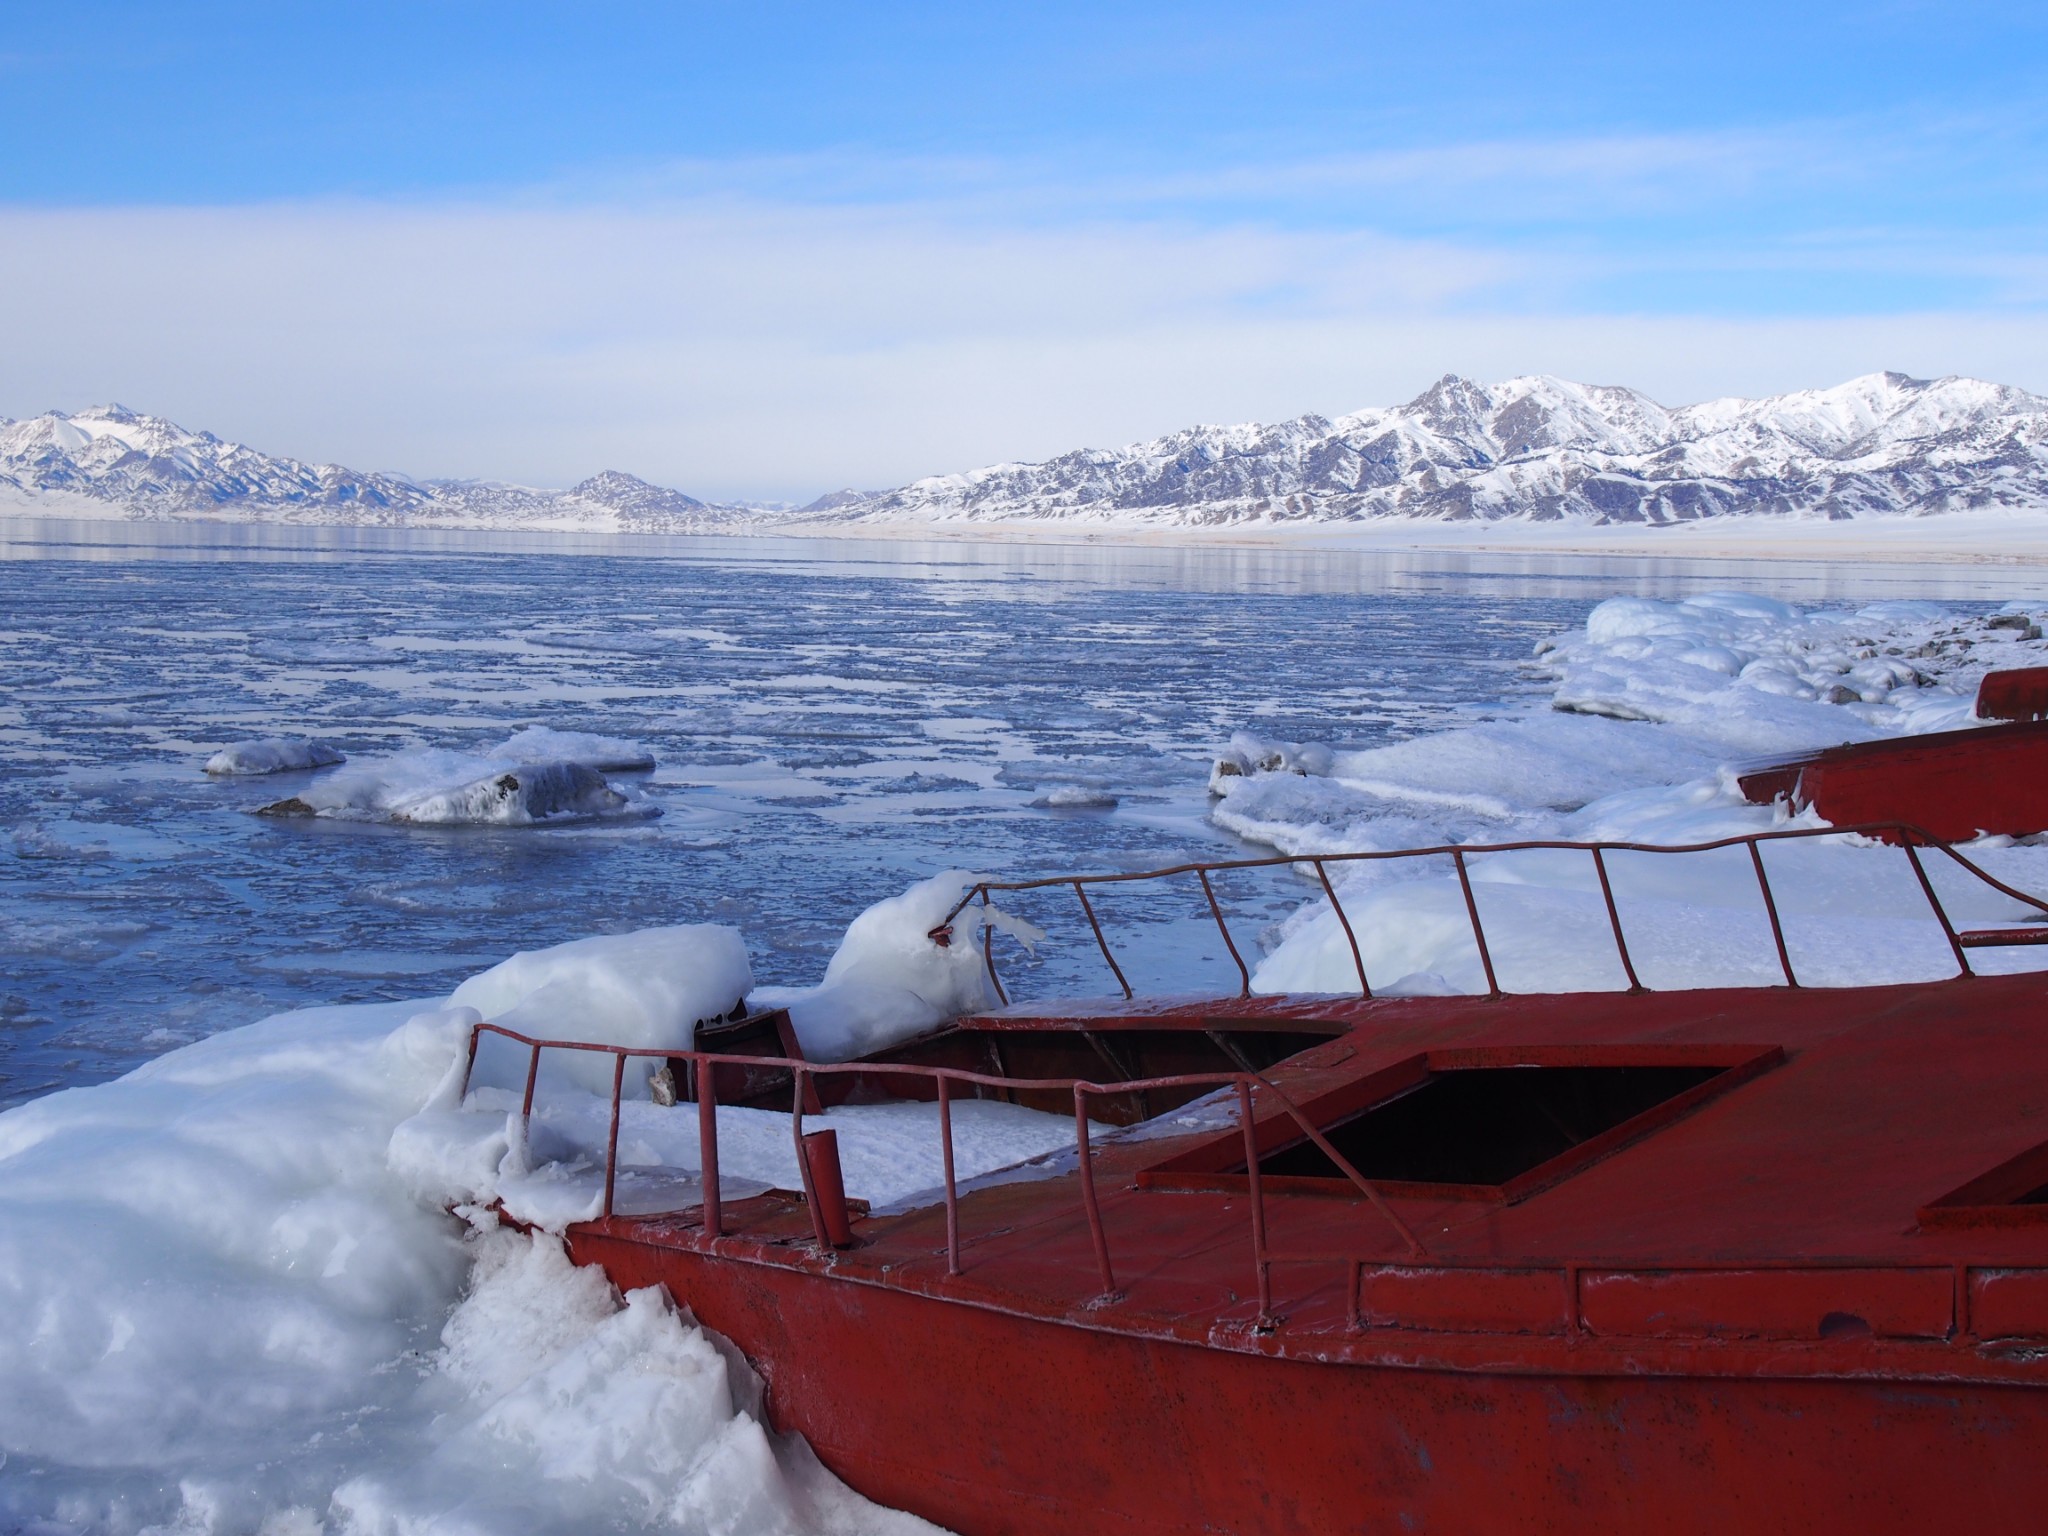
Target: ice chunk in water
{"x":429,"y":786}
{"x":275,"y":754}
{"x":607,"y":754}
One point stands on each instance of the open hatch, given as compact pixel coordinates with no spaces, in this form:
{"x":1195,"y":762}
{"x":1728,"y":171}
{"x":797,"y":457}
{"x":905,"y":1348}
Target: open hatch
{"x":1495,"y":1124}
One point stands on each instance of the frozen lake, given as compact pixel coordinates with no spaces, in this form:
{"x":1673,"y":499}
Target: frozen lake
{"x":833,"y":720}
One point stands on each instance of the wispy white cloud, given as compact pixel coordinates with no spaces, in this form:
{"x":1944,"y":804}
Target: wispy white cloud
{"x":750,"y":336}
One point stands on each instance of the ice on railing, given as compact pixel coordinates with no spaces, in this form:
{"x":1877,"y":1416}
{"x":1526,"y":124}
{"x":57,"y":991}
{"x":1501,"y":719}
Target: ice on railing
{"x":550,"y":1172}
{"x":888,"y":980}
{"x":650,"y":988}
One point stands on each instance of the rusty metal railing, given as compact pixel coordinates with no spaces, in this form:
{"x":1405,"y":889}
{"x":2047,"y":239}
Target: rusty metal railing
{"x":1243,"y":1086}
{"x":1910,"y":838}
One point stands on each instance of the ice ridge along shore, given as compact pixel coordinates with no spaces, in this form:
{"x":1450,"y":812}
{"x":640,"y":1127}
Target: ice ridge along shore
{"x":1631,"y":730}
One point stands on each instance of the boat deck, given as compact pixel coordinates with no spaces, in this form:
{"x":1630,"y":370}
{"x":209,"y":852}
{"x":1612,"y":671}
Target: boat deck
{"x":1783,"y":1217}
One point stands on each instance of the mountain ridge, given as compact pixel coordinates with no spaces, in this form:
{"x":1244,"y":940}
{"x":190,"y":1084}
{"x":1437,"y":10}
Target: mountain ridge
{"x":1535,"y":448}
{"x":1541,"y":449}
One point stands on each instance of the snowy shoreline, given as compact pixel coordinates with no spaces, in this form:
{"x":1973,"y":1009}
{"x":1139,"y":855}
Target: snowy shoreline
{"x":2015,"y":538}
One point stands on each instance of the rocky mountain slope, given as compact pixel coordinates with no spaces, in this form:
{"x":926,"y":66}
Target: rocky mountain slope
{"x":114,"y":461}
{"x":1535,"y":448}
{"x":1538,"y":448}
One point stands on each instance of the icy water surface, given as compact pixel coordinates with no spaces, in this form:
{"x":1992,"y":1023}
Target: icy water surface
{"x":833,"y":721}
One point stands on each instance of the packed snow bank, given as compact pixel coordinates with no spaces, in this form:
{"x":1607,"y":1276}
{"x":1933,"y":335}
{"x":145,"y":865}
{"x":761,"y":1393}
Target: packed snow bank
{"x":1650,"y":708}
{"x":431,"y":786}
{"x":888,"y":980}
{"x":1902,"y":666}
{"x":275,"y":754}
{"x":651,"y":988}
{"x":611,"y":1414}
{"x":606,"y":754}
{"x":232,"y":1301}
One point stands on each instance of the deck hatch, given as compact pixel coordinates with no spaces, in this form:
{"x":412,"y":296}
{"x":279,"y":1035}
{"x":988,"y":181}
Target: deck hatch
{"x":2014,"y":1194}
{"x":1477,"y":1124}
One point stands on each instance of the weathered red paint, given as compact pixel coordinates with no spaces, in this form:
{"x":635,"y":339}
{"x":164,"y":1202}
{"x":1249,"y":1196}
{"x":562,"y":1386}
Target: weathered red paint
{"x":2018,"y":693}
{"x":1735,"y":1321}
{"x":1955,"y":785}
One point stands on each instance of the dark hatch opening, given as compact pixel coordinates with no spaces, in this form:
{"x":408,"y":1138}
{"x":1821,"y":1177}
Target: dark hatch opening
{"x":2013,"y":1194}
{"x":1487,"y":1125}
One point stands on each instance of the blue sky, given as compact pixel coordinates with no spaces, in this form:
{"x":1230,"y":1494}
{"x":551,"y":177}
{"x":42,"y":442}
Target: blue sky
{"x":764,"y":250}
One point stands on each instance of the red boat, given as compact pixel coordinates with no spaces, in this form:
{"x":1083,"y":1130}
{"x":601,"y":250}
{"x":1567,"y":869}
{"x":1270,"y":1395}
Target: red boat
{"x":1759,"y":1259}
{"x":1955,"y":784}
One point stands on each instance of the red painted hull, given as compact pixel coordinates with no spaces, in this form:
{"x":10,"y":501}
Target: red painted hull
{"x":1955,"y":785}
{"x":1802,"y":1286}
{"x":995,"y":1424}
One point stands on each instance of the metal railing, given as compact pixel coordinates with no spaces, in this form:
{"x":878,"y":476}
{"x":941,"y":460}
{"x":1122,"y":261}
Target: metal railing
{"x":946,"y":1080}
{"x":1911,"y":838}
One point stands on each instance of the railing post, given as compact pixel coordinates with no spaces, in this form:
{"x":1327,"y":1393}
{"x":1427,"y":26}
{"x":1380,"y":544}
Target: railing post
{"x":611,"y":1146}
{"x":1948,"y":929}
{"x":952,"y":1193}
{"x":1101,"y":943}
{"x":476,"y":1032}
{"x":1756,"y":858}
{"x":707,"y":1147}
{"x":988,"y":950}
{"x":1244,"y":981}
{"x":1472,"y":911}
{"x":1336,"y":906}
{"x":1614,"y":921}
{"x":1088,"y":1199}
{"x":1258,"y":1197}
{"x":532,"y":1073}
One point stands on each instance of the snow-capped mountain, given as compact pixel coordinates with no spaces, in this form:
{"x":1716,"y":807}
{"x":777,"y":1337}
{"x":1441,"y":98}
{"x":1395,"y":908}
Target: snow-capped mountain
{"x":1536,"y":448}
{"x":111,"y":460}
{"x":1539,"y":448}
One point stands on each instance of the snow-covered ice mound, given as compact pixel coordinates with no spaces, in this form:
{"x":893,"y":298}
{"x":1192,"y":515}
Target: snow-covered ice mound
{"x":227,"y":1311}
{"x":275,"y":754}
{"x":607,"y":754}
{"x":651,"y":988}
{"x":888,"y":981}
{"x":232,"y":1297}
{"x":431,"y":786}
{"x":1650,"y":708}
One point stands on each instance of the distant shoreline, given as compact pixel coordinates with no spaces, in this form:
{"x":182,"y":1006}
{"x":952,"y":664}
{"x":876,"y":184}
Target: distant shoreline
{"x":1949,"y":539}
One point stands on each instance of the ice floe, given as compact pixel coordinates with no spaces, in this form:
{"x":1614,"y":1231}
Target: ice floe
{"x":433,"y":786}
{"x":542,"y":744}
{"x":1076,"y":797}
{"x":275,"y":754}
